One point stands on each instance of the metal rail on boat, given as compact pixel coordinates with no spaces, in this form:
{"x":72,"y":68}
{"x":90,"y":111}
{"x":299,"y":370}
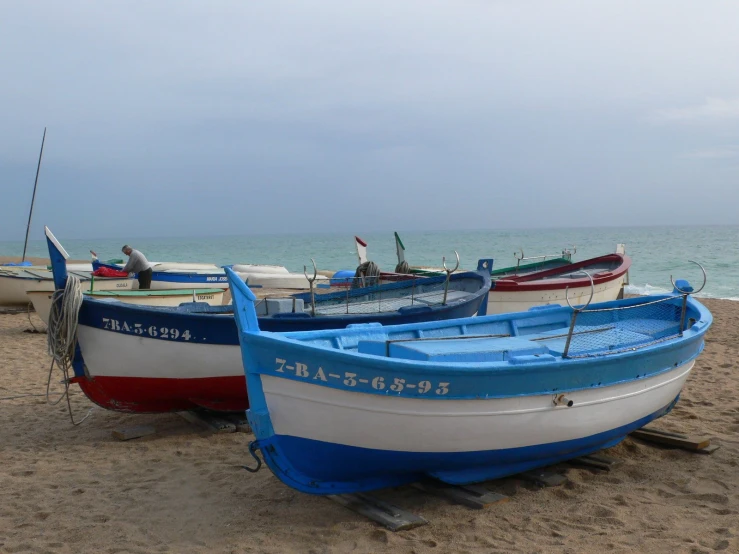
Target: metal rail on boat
{"x":652,"y":323}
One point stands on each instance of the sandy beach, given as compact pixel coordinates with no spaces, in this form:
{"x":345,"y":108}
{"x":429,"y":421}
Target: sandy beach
{"x":78,"y":489}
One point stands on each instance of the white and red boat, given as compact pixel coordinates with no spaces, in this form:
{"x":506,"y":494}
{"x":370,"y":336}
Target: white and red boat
{"x":138,"y":358}
{"x":609,"y":275}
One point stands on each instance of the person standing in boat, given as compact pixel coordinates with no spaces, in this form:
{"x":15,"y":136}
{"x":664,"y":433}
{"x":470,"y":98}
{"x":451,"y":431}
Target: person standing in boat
{"x":137,"y":263}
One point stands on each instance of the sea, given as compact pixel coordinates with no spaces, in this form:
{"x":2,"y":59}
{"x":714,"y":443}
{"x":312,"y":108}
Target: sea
{"x":657,"y":253}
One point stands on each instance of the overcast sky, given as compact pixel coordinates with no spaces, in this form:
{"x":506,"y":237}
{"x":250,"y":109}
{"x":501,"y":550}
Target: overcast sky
{"x":174,"y":118}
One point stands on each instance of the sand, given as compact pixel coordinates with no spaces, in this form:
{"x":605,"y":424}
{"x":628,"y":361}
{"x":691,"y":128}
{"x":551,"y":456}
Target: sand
{"x":77,"y":489}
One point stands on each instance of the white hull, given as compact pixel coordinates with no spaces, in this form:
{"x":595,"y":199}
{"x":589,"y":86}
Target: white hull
{"x":280,"y":281}
{"x":111,"y":354}
{"x":300,"y":409}
{"x":181,"y":285}
{"x":42,"y":301}
{"x":183,"y":266}
{"x":253,"y":268}
{"x":508,"y":302}
{"x":14,"y":290}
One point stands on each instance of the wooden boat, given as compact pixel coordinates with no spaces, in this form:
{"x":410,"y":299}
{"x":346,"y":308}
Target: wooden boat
{"x":462,"y":401}
{"x":41,"y":300}
{"x":547,"y":261}
{"x":15,"y":284}
{"x":551,"y":286}
{"x":148,"y":359}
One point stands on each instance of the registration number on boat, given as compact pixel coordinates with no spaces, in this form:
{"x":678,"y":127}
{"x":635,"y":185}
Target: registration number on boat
{"x":356,"y":380}
{"x":149,"y":331}
{"x":219,"y":279}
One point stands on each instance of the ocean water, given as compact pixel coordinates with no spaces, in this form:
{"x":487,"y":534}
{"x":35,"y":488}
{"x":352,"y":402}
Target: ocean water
{"x":656,"y":252}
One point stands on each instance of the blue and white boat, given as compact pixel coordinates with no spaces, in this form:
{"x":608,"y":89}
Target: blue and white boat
{"x":169,"y":275}
{"x":154,"y":359}
{"x":462,"y":401}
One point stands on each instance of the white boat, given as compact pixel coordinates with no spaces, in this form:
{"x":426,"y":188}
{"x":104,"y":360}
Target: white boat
{"x":259,"y":268}
{"x":280,"y":280}
{"x":168,"y":298}
{"x":14,"y":285}
{"x":518,"y":293}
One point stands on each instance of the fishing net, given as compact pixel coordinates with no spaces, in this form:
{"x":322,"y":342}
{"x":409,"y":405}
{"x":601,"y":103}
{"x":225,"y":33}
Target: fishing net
{"x":423,"y":291}
{"x":614,"y":330}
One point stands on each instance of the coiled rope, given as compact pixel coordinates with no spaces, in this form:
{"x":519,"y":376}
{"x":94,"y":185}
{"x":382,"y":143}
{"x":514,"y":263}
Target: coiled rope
{"x":366,"y":275}
{"x":62,"y":336}
{"x":403,"y":267}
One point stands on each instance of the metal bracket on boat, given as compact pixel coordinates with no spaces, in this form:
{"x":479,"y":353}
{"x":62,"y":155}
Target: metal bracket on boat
{"x":562,"y":400}
{"x":695,"y":291}
{"x":567,"y":253}
{"x":448,"y":274}
{"x":592,"y":292}
{"x":576,"y":311}
{"x":310,"y":280}
{"x":253,"y":447}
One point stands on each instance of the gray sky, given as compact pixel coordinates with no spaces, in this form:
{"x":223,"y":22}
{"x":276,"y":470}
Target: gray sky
{"x":174,"y":118}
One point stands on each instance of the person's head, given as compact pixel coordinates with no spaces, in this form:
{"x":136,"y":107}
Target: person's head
{"x":127,"y":250}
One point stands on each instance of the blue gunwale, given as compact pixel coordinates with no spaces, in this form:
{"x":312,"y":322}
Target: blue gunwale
{"x":546,"y":374}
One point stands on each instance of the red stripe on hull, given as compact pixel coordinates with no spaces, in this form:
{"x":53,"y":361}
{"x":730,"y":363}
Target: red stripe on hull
{"x":537,"y":281}
{"x":147,"y":395}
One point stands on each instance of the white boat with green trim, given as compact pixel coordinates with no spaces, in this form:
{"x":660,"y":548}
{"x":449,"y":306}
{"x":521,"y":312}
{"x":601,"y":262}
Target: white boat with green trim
{"x":164,"y":298}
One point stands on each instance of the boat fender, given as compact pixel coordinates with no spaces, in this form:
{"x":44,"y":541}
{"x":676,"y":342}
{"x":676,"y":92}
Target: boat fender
{"x":562,"y":400}
{"x":683,"y":286}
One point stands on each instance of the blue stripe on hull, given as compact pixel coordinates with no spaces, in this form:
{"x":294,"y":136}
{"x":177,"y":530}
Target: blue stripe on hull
{"x":318,"y":467}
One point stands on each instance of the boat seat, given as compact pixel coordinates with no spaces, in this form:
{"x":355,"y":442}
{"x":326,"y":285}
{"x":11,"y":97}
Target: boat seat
{"x":460,"y":349}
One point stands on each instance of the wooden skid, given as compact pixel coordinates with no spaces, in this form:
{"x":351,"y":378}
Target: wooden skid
{"x":672,"y":439}
{"x":208,"y":421}
{"x":544,"y":478}
{"x":388,"y":515}
{"x":472,"y":496}
{"x":128,"y":433}
{"x":597,"y":461}
{"x":218,"y":422}
{"x":12,"y":310}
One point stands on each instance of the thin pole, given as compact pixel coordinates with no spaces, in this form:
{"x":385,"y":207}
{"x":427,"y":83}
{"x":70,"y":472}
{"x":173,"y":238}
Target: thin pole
{"x":33,"y":198}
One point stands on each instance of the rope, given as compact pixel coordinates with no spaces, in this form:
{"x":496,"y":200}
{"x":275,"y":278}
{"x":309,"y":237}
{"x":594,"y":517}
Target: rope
{"x":367,"y":275}
{"x":403,"y":267}
{"x":30,"y":305}
{"x":62,"y":336}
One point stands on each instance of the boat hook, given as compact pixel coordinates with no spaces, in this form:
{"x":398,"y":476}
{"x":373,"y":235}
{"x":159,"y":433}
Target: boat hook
{"x":448,"y":274}
{"x":310,"y":280}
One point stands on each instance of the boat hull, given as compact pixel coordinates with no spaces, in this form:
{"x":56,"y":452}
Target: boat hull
{"x":14,"y":290}
{"x":501,"y":302}
{"x":329,"y":441}
{"x":41,"y":300}
{"x":191,"y":280}
{"x":139,"y":374}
